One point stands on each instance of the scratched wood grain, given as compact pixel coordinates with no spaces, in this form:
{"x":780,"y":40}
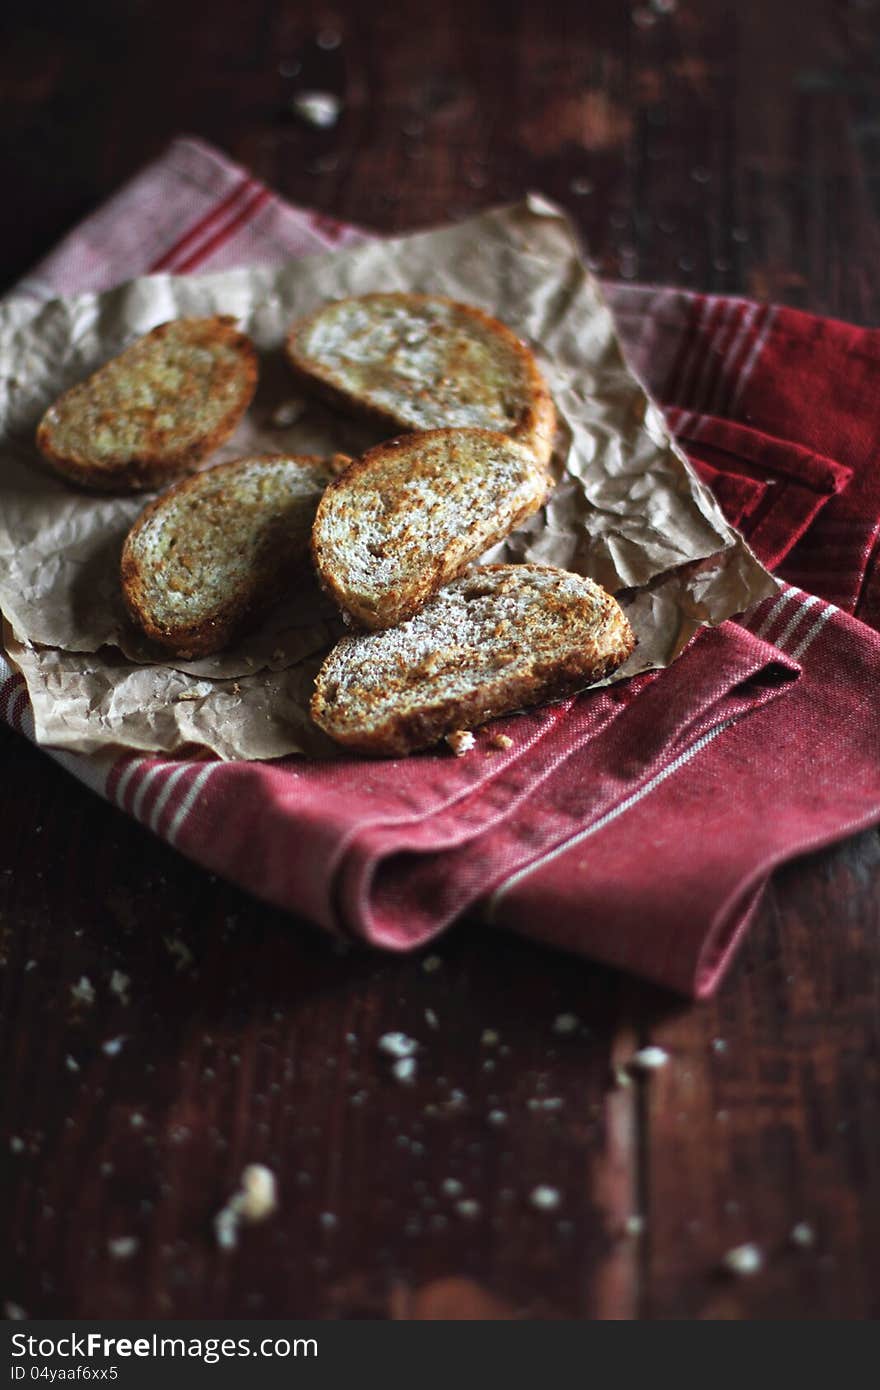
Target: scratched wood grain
{"x":716,"y":146}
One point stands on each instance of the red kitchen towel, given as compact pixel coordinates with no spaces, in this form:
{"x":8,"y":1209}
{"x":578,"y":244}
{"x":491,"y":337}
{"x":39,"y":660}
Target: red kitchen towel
{"x":636,"y":825}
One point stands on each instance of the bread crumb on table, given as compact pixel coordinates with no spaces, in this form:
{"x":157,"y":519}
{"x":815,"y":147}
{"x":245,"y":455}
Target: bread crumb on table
{"x":255,"y":1200}
{"x":544,"y":1198}
{"x":397,"y":1045}
{"x":803,"y":1235}
{"x":564,"y":1024}
{"x":119,"y":984}
{"x":123,"y":1247}
{"x":649,"y":1059}
{"x":318,"y":109}
{"x":468,"y":1208}
{"x":83,"y":992}
{"x":404,"y":1070}
{"x":743,"y":1260}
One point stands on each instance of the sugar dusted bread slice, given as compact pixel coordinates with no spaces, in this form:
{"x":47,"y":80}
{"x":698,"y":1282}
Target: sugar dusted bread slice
{"x":155,"y":411}
{"x":413,"y":513}
{"x":499,"y":638}
{"x":421,"y":362}
{"x":210,"y":552}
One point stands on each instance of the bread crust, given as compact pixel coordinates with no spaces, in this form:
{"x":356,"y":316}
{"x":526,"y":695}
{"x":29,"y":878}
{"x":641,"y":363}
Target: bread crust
{"x":392,"y":603}
{"x":158,"y":461}
{"x":218,"y":628}
{"x":405,"y":730}
{"x":537,"y":423}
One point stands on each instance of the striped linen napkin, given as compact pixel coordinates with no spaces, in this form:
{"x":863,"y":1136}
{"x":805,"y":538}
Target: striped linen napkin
{"x":636,"y":825}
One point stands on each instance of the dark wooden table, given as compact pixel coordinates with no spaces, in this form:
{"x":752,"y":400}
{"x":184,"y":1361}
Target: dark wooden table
{"x":727,"y":146}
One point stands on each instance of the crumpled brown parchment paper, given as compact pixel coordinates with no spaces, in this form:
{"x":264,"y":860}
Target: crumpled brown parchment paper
{"x":627,"y":510}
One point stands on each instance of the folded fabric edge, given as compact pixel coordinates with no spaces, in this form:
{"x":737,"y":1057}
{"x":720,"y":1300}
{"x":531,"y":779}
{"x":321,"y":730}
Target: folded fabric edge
{"x":371,"y":898}
{"x":735,"y":916}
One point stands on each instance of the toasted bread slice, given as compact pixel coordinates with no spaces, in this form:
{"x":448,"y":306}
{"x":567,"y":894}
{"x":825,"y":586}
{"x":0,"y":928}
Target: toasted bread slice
{"x":205,"y":556}
{"x":413,"y":513}
{"x":421,"y":362}
{"x":156,"y":410}
{"x":495,"y":640}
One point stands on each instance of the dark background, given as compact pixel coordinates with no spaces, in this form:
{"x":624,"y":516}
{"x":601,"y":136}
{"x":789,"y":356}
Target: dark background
{"x":719,"y":145}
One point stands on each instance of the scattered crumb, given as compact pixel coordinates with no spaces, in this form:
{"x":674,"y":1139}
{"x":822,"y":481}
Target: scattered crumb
{"x":461,"y":741}
{"x":564,"y":1024}
{"x":452,"y":1187}
{"x":500,"y":741}
{"x":490,"y":1038}
{"x":581,"y":187}
{"x":328,"y":1220}
{"x":318,"y":109}
{"x":113,"y":1046}
{"x":649,"y":1059}
{"x":287,"y":413}
{"x":106,"y":1169}
{"x":30,"y":965}
{"x":194,"y":692}
{"x":621,"y":1078}
{"x":119,"y":984}
{"x":14,"y":1312}
{"x":545,"y":1198}
{"x":71,"y":1063}
{"x":743,"y":1260}
{"x":279,"y":654}
{"x":431,"y":1019}
{"x":497,"y":1117}
{"x":545,"y":1103}
{"x":404,"y":1070}
{"x":397,"y":1045}
{"x":256,"y":1198}
{"x":328,"y":39}
{"x":16,"y":1145}
{"x":137,"y":1121}
{"x":634,"y":1225}
{"x":123,"y":1247}
{"x":719,"y":1045}
{"x":83,"y":992}
{"x":236,"y":688}
{"x":226,"y":1229}
{"x":468,"y":1208}
{"x":431,"y":963}
{"x":803,"y":1235}
{"x":183,"y":956}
